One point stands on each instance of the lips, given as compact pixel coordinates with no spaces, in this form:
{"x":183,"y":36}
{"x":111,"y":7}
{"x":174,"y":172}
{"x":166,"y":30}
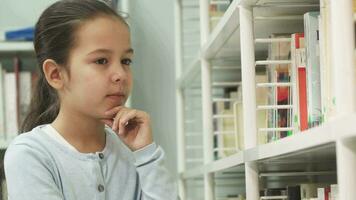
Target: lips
{"x":117,"y":96}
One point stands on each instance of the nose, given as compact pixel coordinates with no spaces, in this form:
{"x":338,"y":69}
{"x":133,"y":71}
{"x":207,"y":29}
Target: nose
{"x":119,"y":74}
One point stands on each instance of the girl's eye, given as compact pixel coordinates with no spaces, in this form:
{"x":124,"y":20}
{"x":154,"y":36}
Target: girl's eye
{"x":101,"y":61}
{"x":126,"y":61}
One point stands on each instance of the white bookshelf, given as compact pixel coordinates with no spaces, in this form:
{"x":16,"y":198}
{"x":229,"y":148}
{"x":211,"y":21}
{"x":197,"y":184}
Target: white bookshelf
{"x":245,"y":24}
{"x":4,"y":144}
{"x":8,"y":47}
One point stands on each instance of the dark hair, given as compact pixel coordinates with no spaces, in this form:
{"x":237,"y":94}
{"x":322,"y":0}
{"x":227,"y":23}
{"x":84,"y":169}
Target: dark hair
{"x":54,"y":38}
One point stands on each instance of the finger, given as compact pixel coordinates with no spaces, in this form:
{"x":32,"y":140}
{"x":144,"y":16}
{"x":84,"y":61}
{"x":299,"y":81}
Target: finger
{"x":117,"y":118}
{"x":108,"y":122}
{"x":119,"y":124}
{"x":114,"y":110}
{"x":124,"y":120}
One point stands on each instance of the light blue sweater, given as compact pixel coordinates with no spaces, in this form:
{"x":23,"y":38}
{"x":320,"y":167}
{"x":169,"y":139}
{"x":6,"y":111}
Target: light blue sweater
{"x":37,"y":167}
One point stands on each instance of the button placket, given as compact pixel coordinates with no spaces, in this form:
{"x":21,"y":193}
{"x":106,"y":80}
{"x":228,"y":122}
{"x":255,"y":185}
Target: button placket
{"x":100,"y":179}
{"x":101,"y":188}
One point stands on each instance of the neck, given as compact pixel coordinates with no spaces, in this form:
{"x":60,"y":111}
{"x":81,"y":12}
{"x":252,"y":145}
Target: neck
{"x":83,"y":132}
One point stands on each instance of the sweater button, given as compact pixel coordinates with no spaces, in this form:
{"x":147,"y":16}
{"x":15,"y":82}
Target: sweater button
{"x":101,"y":155}
{"x":100,"y":188}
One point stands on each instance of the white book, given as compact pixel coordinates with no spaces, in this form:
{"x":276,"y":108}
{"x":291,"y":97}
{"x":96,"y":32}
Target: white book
{"x":328,"y":101}
{"x":25,"y":94}
{"x":311,"y":28}
{"x":11,"y":106}
{"x":334,"y":192}
{"x":262,"y":115}
{"x":321,"y":194}
{"x":2,"y":105}
{"x":238,"y":113}
{"x":308,"y":191}
{"x":295,"y":88}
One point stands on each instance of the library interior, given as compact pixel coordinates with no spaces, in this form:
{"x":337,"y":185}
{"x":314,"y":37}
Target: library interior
{"x":248,"y":99}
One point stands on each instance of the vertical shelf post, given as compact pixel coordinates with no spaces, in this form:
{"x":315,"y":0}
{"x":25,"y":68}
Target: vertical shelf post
{"x":343,"y":47}
{"x":249,"y":97}
{"x":206,"y":101}
{"x":180,"y":100}
{"x":345,"y":91}
{"x":346,"y":164}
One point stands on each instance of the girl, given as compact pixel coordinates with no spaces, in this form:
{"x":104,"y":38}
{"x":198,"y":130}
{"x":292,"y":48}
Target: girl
{"x":84,"y":53}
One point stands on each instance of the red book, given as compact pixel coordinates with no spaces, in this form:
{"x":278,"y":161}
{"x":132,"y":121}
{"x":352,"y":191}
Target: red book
{"x":303,"y":111}
{"x":302,"y":80}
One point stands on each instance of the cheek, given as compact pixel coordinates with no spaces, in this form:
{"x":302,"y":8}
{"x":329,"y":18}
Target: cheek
{"x":129,"y":80}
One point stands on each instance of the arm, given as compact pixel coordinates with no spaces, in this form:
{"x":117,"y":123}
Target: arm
{"x":155,"y":180}
{"x":28,"y":176}
{"x":134,"y":128}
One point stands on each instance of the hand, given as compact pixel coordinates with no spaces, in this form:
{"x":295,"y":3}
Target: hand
{"x":132,"y":126}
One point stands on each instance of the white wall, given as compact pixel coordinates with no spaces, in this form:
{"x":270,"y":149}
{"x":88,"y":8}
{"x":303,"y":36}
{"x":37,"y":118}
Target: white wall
{"x":152,"y":26}
{"x":21,"y":13}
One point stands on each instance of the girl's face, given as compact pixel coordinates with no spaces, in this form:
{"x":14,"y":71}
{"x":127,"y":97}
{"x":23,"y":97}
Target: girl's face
{"x":99,"y":64}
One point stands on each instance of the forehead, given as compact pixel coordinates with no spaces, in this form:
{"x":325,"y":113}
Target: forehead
{"x":102,"y":32}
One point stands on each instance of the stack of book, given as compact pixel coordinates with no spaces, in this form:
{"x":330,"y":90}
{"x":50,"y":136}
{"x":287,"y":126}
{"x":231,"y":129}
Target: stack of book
{"x":15,"y":96}
{"x":302,"y":192}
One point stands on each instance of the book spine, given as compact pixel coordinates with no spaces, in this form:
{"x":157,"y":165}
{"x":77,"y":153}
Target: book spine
{"x":2,"y":105}
{"x":10,"y":105}
{"x":311,"y":28}
{"x":17,"y":79}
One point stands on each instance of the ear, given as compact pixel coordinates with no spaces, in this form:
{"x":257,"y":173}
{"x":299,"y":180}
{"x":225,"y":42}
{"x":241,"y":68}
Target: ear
{"x":53,"y":74}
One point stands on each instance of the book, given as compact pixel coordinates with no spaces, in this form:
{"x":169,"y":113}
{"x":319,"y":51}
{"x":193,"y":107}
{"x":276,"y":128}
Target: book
{"x":23,"y":34}
{"x":293,"y":192}
{"x":2,"y":104}
{"x":300,"y":109}
{"x":11,"y":106}
{"x":334,"y":192}
{"x":261,"y":99}
{"x":17,"y":68}
{"x":323,"y":193}
{"x":302,"y":89}
{"x":328,"y":101}
{"x":308,"y":191}
{"x":25,"y":91}
{"x":311,"y":29}
{"x":238,"y":112}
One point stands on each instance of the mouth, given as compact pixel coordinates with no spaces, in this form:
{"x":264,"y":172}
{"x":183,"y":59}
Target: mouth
{"x":117,"y":96}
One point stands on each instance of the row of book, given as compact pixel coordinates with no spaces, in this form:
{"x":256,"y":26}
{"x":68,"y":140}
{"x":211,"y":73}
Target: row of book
{"x":293,"y":94}
{"x":297,"y":192}
{"x":15,"y":96}
{"x":305,"y":102}
{"x":303,"y":192}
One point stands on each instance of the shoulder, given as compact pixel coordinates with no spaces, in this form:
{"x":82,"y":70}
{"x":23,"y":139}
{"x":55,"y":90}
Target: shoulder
{"x":28,"y":147}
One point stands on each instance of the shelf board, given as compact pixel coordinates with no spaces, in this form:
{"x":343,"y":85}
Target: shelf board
{"x":277,"y":2}
{"x":324,"y":134}
{"x":216,"y":166}
{"x":224,"y":41}
{"x":9,"y":47}
{"x":315,"y":145}
{"x":223,"y":30}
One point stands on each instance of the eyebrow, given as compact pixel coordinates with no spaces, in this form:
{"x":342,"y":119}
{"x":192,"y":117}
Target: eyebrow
{"x":130,"y":50}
